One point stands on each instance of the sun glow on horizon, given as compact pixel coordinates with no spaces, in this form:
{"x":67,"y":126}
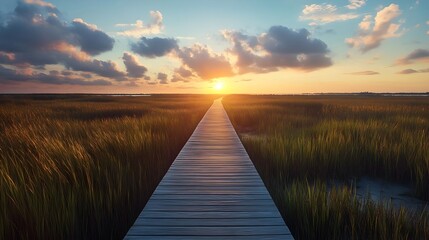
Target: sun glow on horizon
{"x":218,"y":86}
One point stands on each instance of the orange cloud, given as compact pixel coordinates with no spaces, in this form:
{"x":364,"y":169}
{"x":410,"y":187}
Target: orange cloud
{"x":70,"y":50}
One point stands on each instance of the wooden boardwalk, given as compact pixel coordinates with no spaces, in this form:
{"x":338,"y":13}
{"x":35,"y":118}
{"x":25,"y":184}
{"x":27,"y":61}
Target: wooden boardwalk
{"x":211,"y":191}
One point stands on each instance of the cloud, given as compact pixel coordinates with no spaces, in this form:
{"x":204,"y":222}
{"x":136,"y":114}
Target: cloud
{"x":324,"y":13}
{"x":412,"y":71}
{"x":355,"y":4}
{"x":50,"y":40}
{"x":86,"y":75}
{"x":162,"y":77}
{"x":47,"y":29}
{"x":103,"y":68}
{"x":408,"y":71}
{"x":40,"y":3}
{"x":204,"y":62}
{"x":139,"y":28}
{"x":364,"y":73}
{"x":134,"y":68}
{"x":8,"y":75}
{"x":91,"y":40}
{"x":154,"y":47}
{"x":182,"y":74}
{"x":372,"y":34}
{"x":279,"y":48}
{"x":243,"y":80}
{"x":417,"y":55}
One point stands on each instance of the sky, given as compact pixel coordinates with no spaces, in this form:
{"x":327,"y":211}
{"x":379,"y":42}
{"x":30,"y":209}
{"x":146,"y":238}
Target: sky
{"x":204,"y":46}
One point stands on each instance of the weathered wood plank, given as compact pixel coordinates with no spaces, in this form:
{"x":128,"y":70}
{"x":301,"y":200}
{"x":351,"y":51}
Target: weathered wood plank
{"x":211,"y":191}
{"x":208,"y":222}
{"x":210,"y":208}
{"x":207,"y":231}
{"x":257,"y":237}
{"x":207,"y":197}
{"x":211,"y":202}
{"x":204,"y":215}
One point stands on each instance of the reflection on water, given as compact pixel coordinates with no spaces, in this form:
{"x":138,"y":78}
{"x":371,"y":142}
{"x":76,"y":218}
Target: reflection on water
{"x":381,"y":190}
{"x":398,"y":194}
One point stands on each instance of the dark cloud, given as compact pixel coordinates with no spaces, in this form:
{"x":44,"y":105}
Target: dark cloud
{"x":6,"y":57}
{"x":416,"y":55}
{"x":205,"y":63}
{"x":364,"y":73}
{"x":282,"y":40}
{"x":154,"y":47}
{"x":182,"y":74}
{"x":66,"y":73}
{"x":408,"y":71}
{"x":91,"y":40}
{"x":8,"y":75}
{"x":32,"y":20}
{"x":69,"y":58}
{"x":44,"y":30}
{"x":61,"y":80}
{"x":102,"y":68}
{"x":134,"y":69}
{"x":86,"y":75}
{"x":280,"y":47}
{"x":162,"y":77}
{"x":54,"y":72}
{"x":34,"y":35}
{"x":412,"y":71}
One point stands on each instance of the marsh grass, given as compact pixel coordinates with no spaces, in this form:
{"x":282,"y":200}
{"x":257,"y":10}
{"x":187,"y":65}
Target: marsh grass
{"x":315,"y":212}
{"x":83,"y":167}
{"x":298,"y":143}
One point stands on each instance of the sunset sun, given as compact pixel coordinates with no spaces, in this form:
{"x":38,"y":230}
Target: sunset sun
{"x":218,"y":86}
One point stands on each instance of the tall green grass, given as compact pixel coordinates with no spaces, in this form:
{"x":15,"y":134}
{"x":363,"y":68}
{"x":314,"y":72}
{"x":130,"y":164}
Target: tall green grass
{"x":83,"y":167}
{"x":314,"y":212}
{"x":308,"y":139}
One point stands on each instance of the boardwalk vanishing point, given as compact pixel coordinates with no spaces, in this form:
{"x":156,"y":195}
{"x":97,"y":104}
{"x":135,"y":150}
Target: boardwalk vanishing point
{"x":211,"y":191}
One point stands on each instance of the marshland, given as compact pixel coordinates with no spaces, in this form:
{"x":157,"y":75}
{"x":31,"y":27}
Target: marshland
{"x":83,"y":166}
{"x":311,"y":150}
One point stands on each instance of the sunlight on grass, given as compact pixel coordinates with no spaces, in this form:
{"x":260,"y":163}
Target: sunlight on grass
{"x":301,"y":143}
{"x":83,"y":167}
